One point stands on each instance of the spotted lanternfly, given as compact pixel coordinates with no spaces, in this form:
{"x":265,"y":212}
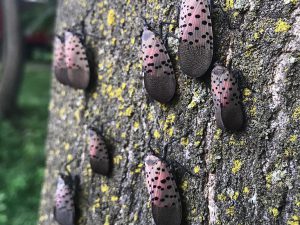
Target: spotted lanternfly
{"x":226,"y":97}
{"x":99,"y":158}
{"x":159,"y":78}
{"x":76,"y":61}
{"x":196,"y":37}
{"x":164,"y":196}
{"x":64,"y":210}
{"x":59,"y":64}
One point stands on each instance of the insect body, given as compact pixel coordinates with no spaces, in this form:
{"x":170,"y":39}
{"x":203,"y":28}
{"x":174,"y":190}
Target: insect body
{"x":99,"y":158}
{"x":70,"y":61}
{"x":226,"y":97}
{"x":196,"y":37}
{"x":64,"y":210}
{"x":76,"y":62}
{"x":164,"y":196}
{"x":159,"y":78}
{"x":60,"y":68}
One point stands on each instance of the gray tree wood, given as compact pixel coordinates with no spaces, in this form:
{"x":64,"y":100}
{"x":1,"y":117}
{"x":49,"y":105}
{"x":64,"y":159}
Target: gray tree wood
{"x":12,"y":59}
{"x":249,"y":177}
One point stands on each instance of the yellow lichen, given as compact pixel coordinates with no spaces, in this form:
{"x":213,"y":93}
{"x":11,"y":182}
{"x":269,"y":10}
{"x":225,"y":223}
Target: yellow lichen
{"x":139,"y":168}
{"x":237,"y":164}
{"x":129,"y":111}
{"x":230,"y":211}
{"x":197,"y":143}
{"x":170,"y":118}
{"x":236,"y":13}
{"x":296,"y":113}
{"x":113,"y":41}
{"x":67,"y":146}
{"x":150,"y":116}
{"x":217,"y":134}
{"x":123,"y":135}
{"x":96,"y":204}
{"x":111,"y":17}
{"x":256,"y":35}
{"x":253,"y":111}
{"x":221,"y":197}
{"x":184,"y":141}
{"x":136,"y":125}
{"x":269,"y":180}
{"x":62,"y":113}
{"x":69,"y":157}
{"x":274,"y":211}
{"x":294,"y":221}
{"x":235,"y":195}
{"x":104,"y":188}
{"x":192,"y":104}
{"x":282,"y":26}
{"x":200,"y":132}
{"x":117,"y":159}
{"x":156,"y":134}
{"x":106,"y":220}
{"x":246,"y":190}
{"x":229,"y":4}
{"x":291,"y":222}
{"x":132,"y":40}
{"x":288,"y":152}
{"x":114,"y":198}
{"x":77,"y":115}
{"x":246,"y":92}
{"x":196,"y":169}
{"x":293,"y":138}
{"x":184,"y":185}
{"x":170,"y":131}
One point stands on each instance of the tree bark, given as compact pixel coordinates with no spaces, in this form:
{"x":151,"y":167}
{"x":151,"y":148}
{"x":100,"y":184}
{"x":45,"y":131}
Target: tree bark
{"x":249,"y":177}
{"x":11,"y":58}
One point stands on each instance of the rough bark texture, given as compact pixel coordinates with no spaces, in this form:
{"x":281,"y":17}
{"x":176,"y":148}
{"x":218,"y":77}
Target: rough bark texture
{"x":12,"y":58}
{"x":250,"y":177}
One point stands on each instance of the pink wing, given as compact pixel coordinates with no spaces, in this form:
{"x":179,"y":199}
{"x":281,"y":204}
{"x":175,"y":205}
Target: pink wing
{"x":160,"y":182}
{"x":64,"y":210}
{"x":226,"y":98}
{"x":59,"y":64}
{"x":159,"y":77}
{"x":195,"y":23}
{"x":76,"y":61}
{"x":99,"y":158}
{"x":156,"y":61}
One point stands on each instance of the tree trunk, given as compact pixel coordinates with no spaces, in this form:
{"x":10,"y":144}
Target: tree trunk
{"x":11,"y":58}
{"x":249,"y":177}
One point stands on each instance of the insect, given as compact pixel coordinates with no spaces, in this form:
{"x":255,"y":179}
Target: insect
{"x":164,"y":195}
{"x":70,"y":61}
{"x":60,"y":68}
{"x":159,"y":77}
{"x":196,"y":37}
{"x":76,"y":61}
{"x":226,"y":98}
{"x":64,"y":210}
{"x":99,"y":158}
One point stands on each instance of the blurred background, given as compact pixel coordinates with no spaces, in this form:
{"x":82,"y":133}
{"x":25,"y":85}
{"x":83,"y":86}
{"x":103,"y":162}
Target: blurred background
{"x":26,"y":32}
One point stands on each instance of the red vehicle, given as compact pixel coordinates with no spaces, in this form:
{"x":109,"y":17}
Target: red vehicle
{"x":37,"y":17}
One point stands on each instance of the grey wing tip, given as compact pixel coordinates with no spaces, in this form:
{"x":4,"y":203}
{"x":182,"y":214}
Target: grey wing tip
{"x":100,"y":166}
{"x":167,"y":215}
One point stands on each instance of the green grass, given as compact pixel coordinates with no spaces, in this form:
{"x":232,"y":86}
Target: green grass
{"x":22,"y":157}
